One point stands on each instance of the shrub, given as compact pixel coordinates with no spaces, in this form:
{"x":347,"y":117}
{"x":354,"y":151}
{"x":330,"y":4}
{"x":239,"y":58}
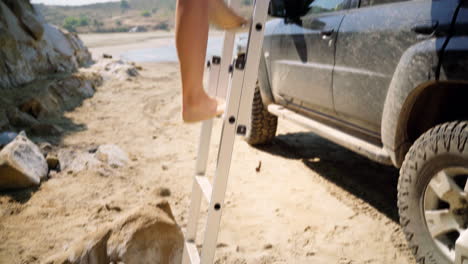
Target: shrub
{"x":70,"y":23}
{"x":83,"y":21}
{"x":146,"y":13}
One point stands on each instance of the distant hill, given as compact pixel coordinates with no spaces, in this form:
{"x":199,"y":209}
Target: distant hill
{"x":140,"y":15}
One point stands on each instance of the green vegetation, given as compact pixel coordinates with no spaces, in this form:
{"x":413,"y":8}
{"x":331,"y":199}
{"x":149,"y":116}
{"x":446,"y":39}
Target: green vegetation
{"x":117,"y":16}
{"x":124,"y":5}
{"x":71,"y":23}
{"x":146,"y":13}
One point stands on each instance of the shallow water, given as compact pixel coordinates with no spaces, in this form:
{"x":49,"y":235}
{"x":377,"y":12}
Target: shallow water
{"x":168,"y":53}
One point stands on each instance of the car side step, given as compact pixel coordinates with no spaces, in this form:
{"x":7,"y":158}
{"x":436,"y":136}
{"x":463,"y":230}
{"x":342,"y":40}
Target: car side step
{"x":350,"y":142}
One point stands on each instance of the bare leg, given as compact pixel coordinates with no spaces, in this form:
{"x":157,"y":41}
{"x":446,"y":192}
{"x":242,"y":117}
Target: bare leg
{"x":192,"y":22}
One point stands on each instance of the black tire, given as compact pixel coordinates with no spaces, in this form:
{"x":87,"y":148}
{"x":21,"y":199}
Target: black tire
{"x":440,"y":148}
{"x":263,"y":124}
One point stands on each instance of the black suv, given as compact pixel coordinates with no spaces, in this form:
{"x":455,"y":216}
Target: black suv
{"x":387,"y":79}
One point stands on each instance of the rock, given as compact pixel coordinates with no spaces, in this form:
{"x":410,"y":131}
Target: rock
{"x":45,"y":148}
{"x":76,"y":160}
{"x":6,"y":138}
{"x":52,"y":162}
{"x":26,"y":15}
{"x":112,"y":155}
{"x":106,"y":56}
{"x":20,"y":119}
{"x":89,"y":250}
{"x":116,"y":69}
{"x":146,"y":235}
{"x":32,"y":49}
{"x":21,"y":164}
{"x":163,"y":192}
{"x":137,"y":29}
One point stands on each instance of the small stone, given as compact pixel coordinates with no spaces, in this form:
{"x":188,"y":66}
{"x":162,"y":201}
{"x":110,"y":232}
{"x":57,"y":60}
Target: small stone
{"x":53,"y":162}
{"x":164,"y":167}
{"x":238,"y":249}
{"x":45,"y":148}
{"x":21,"y":164}
{"x":163,"y":192}
{"x":113,"y":208}
{"x":221,"y":245}
{"x":107,"y":56}
{"x":112,"y":155}
{"x":268,"y":246}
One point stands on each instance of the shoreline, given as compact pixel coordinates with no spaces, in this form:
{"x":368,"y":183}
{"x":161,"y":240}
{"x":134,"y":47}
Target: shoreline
{"x":116,"y":44}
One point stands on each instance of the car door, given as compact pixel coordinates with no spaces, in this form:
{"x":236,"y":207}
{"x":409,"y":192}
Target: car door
{"x":371,"y":41}
{"x":303,"y":56}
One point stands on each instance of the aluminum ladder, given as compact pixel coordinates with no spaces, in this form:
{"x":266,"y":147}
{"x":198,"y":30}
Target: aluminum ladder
{"x":236,"y":80}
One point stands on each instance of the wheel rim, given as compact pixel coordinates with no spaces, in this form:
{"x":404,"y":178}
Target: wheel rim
{"x":446,"y":208}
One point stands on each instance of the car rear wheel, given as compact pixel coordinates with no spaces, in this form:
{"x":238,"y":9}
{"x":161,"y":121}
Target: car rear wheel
{"x":263,"y":124}
{"x":433,"y":193}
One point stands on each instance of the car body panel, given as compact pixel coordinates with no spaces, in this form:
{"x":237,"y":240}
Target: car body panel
{"x":371,"y":42}
{"x":296,"y":72}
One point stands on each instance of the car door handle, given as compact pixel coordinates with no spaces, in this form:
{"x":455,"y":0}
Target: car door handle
{"x":426,"y":28}
{"x":326,"y":34}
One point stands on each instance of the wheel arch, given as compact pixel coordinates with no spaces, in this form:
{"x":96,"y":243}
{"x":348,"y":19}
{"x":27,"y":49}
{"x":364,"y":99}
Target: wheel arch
{"x":416,"y":71}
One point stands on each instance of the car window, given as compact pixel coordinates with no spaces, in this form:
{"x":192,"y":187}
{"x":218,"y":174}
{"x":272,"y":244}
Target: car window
{"x":324,"y":6}
{"x":365,"y":3}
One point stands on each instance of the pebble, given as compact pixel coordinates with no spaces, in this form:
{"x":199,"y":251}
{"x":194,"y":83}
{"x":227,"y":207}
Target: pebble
{"x":163,"y":192}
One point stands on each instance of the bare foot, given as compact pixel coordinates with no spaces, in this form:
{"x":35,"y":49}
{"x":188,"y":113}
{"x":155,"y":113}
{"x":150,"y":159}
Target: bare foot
{"x":224,"y":17}
{"x":201,"y":109}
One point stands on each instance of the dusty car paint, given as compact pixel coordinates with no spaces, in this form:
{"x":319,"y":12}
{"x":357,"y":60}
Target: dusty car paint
{"x":357,"y":68}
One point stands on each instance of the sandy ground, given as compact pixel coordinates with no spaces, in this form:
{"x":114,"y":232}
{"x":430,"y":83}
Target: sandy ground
{"x":311,"y":202}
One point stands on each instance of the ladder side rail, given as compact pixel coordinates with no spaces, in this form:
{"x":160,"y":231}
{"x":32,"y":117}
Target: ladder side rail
{"x":254,"y":53}
{"x":202,"y":160}
{"x":227,"y":56}
{"x":223,"y":165}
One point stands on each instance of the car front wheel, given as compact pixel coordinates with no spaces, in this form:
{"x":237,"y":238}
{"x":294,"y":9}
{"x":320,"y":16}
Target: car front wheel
{"x":433,"y":193}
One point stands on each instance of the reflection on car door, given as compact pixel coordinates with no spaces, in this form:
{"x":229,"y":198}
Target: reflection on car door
{"x":302,"y":66}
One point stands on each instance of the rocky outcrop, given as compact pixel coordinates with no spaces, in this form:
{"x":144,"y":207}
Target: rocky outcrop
{"x":32,"y":106}
{"x":31,"y":49}
{"x":21,"y":164}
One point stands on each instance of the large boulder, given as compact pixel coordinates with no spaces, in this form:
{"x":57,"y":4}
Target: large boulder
{"x":147,"y":235}
{"x":91,"y":249}
{"x":21,"y":164}
{"x":31,"y":49}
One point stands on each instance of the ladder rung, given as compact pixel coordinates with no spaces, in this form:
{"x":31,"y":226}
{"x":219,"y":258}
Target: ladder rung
{"x":192,"y":251}
{"x":205,"y":186}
